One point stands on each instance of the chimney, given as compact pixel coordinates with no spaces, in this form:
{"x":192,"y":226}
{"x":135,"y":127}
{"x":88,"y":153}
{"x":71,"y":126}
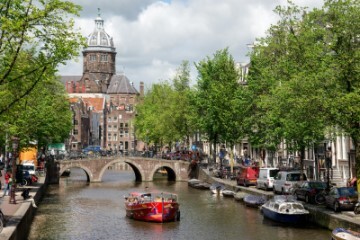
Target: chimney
{"x":141,"y":89}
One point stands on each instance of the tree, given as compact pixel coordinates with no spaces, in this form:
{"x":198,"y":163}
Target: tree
{"x":35,"y":36}
{"x":287,"y":85}
{"x":42,"y":115}
{"x":341,"y":36}
{"x":215,"y":98}
{"x":164,"y":116}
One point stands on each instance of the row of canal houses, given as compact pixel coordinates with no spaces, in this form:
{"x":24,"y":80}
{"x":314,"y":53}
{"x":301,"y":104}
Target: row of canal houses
{"x":103,"y":105}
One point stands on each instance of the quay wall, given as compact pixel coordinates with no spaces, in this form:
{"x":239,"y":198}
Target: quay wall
{"x":18,"y":225}
{"x":319,"y":215}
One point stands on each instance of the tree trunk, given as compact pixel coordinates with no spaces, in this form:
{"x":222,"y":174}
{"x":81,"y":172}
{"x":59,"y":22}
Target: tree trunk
{"x":302,"y":154}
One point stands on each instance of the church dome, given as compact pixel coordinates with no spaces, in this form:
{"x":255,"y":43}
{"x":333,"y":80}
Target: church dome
{"x":99,"y":39}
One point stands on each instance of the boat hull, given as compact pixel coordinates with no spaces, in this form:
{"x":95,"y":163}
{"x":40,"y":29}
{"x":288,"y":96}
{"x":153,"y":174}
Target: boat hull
{"x":283,"y":217}
{"x":154,"y":211}
{"x":254,"y":201}
{"x":343,"y":234}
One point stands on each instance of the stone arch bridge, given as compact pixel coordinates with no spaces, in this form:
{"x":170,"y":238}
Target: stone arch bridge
{"x":144,"y":168}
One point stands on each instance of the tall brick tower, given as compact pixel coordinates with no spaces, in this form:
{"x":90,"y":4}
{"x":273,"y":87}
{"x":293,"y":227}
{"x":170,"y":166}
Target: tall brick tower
{"x":99,"y":59}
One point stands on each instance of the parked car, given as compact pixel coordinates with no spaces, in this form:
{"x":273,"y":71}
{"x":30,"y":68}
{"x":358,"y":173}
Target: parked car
{"x":284,"y":181}
{"x":247,"y":176}
{"x":91,"y":148}
{"x":341,"y":198}
{"x":266,"y":178}
{"x":309,"y":189}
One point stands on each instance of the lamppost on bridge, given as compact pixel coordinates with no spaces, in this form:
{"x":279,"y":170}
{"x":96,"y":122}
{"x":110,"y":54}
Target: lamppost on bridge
{"x":15,"y":145}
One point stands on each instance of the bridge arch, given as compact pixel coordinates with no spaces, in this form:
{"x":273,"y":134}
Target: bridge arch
{"x":170,"y":171}
{"x":144,"y":168}
{"x":87,"y":171}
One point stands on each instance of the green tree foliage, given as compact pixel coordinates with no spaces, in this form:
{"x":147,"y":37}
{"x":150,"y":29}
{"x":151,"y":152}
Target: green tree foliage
{"x":35,"y":37}
{"x":304,"y":74}
{"x":216,"y":98}
{"x":164,"y":115}
{"x":42,"y":115}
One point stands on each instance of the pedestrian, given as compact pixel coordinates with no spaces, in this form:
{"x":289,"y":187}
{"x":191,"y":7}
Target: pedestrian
{"x":6,"y":187}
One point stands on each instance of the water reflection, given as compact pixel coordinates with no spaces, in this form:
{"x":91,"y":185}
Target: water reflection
{"x":78,"y":210}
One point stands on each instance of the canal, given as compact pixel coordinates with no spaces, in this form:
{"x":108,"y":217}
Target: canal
{"x":78,"y":210}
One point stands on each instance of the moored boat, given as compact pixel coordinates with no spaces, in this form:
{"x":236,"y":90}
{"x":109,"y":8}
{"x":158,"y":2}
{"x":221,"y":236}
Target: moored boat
{"x":198,"y":184}
{"x":193,"y":181}
{"x":152,"y":207}
{"x":239,"y":196}
{"x":344,"y":234}
{"x":201,"y":186}
{"x":217,"y":188}
{"x":228,"y":193}
{"x":284,"y":209}
{"x":254,"y":200}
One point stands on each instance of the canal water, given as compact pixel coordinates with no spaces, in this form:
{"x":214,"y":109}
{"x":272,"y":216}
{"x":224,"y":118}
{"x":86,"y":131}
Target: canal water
{"x":78,"y":210}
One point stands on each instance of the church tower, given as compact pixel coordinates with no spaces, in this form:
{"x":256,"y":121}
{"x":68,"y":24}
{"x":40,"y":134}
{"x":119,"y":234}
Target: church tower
{"x":99,"y":59}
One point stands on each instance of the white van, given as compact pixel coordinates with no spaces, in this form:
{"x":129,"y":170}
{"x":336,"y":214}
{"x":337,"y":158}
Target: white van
{"x":266,"y":178}
{"x":287,"y":180}
{"x":30,"y":167}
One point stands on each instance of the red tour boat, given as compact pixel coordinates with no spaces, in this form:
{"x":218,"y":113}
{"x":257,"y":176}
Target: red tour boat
{"x":152,"y":207}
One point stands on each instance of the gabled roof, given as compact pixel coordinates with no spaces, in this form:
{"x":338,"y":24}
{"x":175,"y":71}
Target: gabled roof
{"x":121,"y":84}
{"x":98,"y":104}
{"x":74,"y":78}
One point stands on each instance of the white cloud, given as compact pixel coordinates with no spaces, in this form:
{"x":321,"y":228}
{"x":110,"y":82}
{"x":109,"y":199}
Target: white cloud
{"x":152,"y":38}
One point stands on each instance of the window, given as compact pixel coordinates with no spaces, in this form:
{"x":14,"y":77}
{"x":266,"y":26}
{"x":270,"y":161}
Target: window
{"x":75,"y":132}
{"x":92,"y":57}
{"x":115,"y":137}
{"x":76,"y":122}
{"x":103,"y":58}
{"x":109,"y":136}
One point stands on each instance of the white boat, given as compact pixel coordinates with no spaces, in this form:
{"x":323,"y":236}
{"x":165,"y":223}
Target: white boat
{"x":217,"y":188}
{"x":193,"y":181}
{"x":285,"y":209}
{"x":196,"y":183}
{"x":344,"y":234}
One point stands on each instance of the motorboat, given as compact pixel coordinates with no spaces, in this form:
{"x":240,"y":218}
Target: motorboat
{"x":239,"y":196}
{"x":228,"y":193}
{"x":344,"y":234}
{"x":198,"y":184}
{"x":285,"y":209}
{"x":152,"y":206}
{"x":254,"y":200}
{"x":217,"y":188}
{"x":193,"y":181}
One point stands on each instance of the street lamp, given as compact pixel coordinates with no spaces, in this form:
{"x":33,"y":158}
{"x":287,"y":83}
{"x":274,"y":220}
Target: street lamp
{"x":15,"y":145}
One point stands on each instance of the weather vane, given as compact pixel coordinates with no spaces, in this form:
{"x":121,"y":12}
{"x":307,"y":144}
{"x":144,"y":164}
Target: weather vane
{"x":99,"y":12}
